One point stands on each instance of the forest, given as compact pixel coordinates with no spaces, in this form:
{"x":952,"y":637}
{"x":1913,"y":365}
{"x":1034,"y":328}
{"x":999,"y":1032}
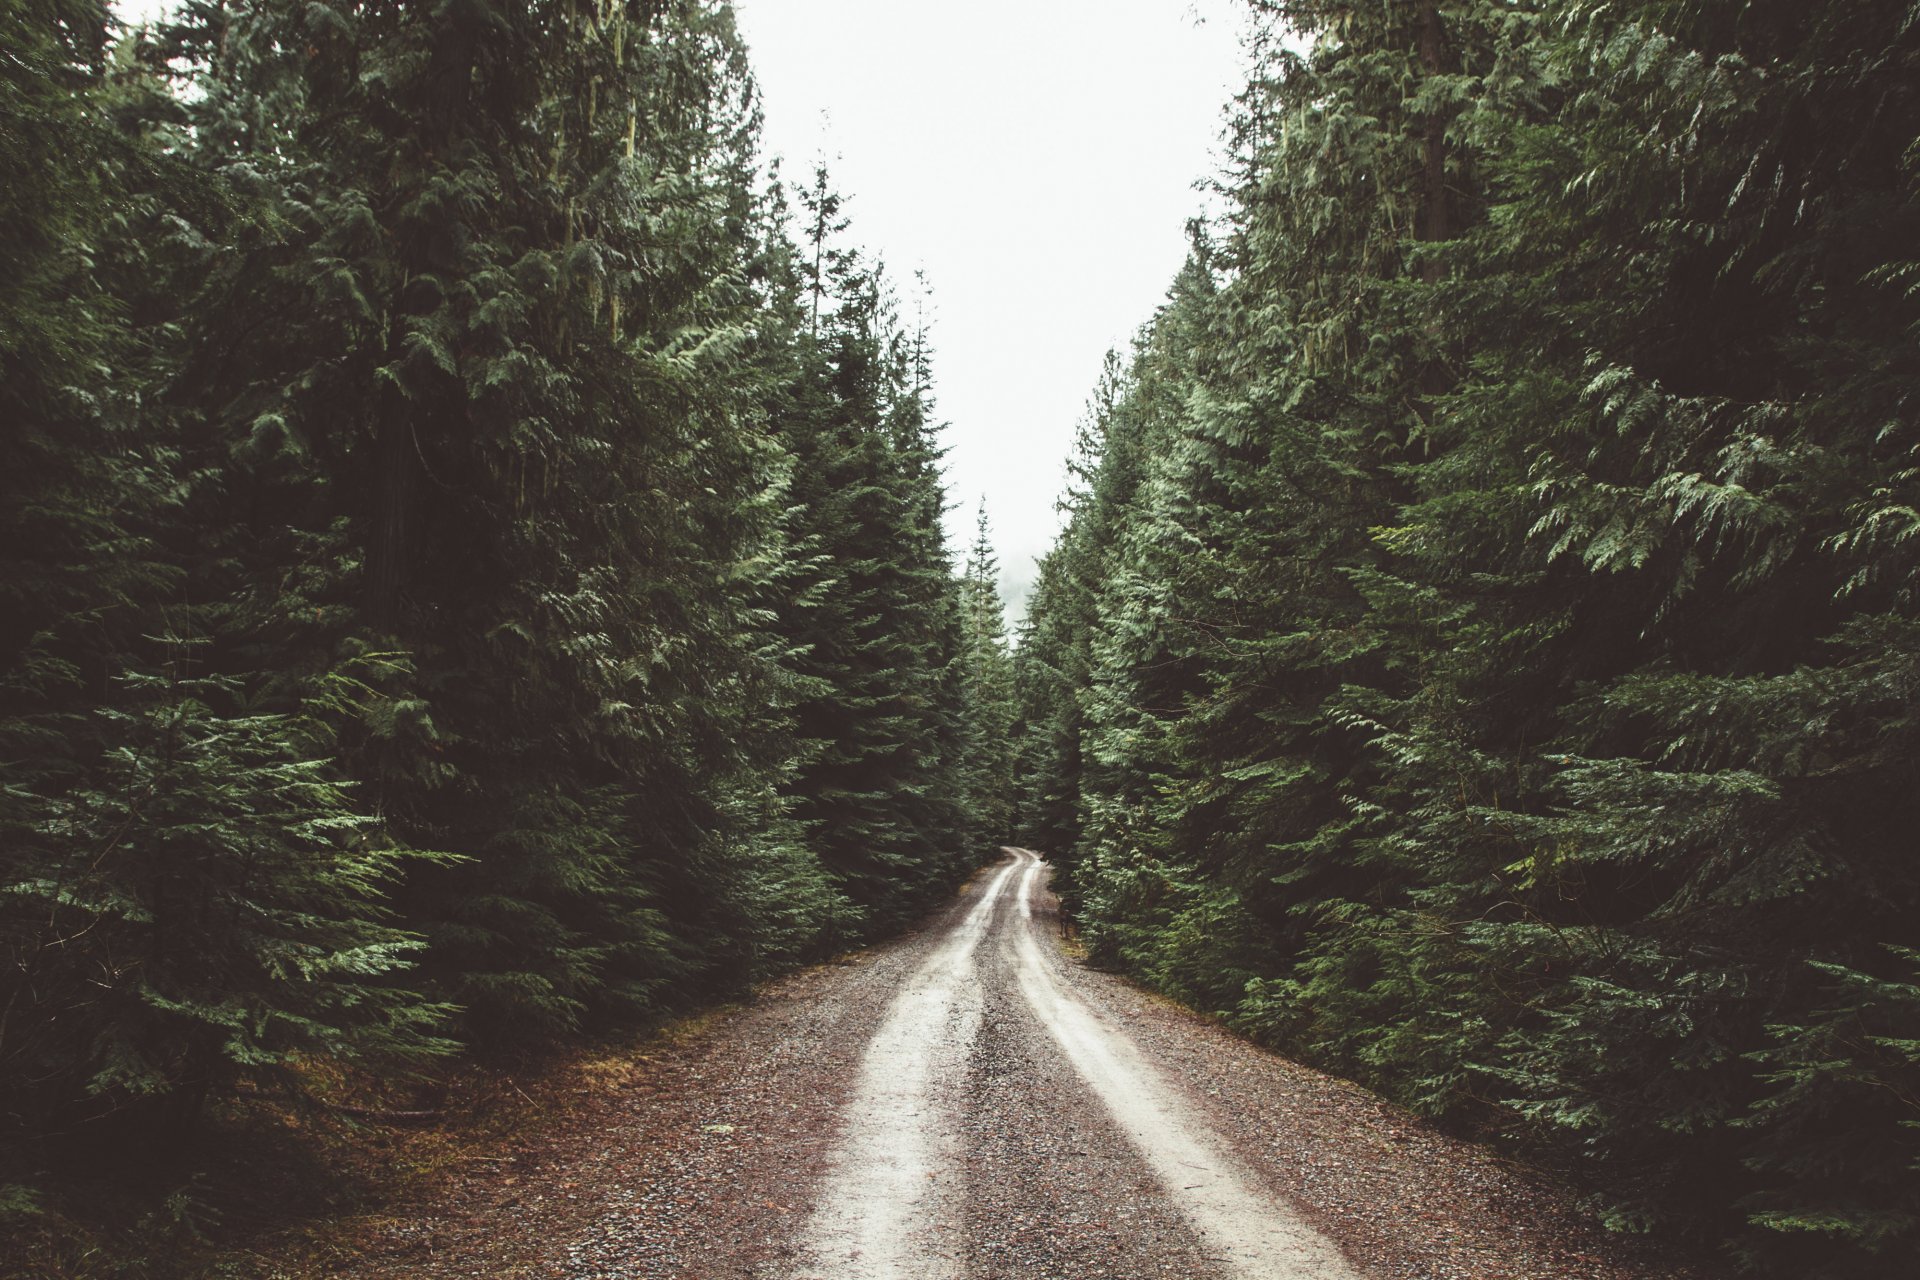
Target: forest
{"x":472,"y":579}
{"x":472,"y":573}
{"x":1483,"y":656}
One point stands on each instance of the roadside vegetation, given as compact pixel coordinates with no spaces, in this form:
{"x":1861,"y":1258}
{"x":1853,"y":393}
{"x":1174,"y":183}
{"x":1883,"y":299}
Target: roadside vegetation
{"x":1484,"y":657}
{"x":471,"y":569}
{"x":472,"y":589}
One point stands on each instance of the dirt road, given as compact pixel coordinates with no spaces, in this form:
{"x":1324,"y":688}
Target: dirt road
{"x":967,"y":1102}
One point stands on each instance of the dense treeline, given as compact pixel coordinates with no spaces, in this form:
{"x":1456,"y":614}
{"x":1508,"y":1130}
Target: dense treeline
{"x":470,"y":552}
{"x":1483,"y":656}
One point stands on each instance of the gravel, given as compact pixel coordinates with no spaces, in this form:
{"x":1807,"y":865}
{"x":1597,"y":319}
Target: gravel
{"x":709,"y":1163}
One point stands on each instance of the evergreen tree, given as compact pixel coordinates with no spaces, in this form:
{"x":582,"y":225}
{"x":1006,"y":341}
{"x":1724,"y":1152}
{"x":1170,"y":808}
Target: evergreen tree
{"x":874,"y":620}
{"x":1522,"y":722}
{"x":1046,"y":668}
{"x":987,"y":691}
{"x":446,"y":520}
{"x":488,"y":353}
{"x":190,"y":889}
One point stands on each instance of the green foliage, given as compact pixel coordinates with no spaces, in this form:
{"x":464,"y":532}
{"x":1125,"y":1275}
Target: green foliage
{"x":201,"y":901}
{"x":1839,"y":1128}
{"x":458,"y":578}
{"x":987,"y":693}
{"x":188,"y":892}
{"x":1481,"y":657}
{"x":874,"y":619}
{"x":503,"y":377}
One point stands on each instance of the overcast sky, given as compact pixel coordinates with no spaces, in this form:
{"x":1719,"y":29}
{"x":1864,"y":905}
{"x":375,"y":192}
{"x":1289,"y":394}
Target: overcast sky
{"x":1037,"y":160}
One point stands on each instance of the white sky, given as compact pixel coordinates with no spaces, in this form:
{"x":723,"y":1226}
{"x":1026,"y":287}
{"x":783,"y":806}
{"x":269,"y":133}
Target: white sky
{"x":1037,"y":159}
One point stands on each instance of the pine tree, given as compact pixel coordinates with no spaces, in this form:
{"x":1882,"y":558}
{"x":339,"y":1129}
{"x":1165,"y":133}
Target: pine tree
{"x":1728,"y":426}
{"x":987,"y":690}
{"x":1524,"y":718}
{"x":490,"y":351}
{"x":191,"y":890}
{"x":448,"y":521}
{"x":874,"y":622}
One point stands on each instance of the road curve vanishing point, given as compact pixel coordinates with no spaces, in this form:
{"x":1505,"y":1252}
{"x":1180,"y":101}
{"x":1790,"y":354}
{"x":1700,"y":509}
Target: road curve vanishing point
{"x":893,"y":1201}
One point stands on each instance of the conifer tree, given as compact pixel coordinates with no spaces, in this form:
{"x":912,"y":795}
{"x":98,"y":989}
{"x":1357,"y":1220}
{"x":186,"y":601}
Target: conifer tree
{"x":1048,"y":666}
{"x":987,"y":690}
{"x":488,"y":349}
{"x":447,"y":521}
{"x":875,"y":619}
{"x":189,"y":887}
{"x":1522,"y":717}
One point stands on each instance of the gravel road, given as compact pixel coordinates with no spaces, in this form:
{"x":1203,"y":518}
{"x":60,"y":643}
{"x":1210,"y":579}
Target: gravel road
{"x":967,"y":1102}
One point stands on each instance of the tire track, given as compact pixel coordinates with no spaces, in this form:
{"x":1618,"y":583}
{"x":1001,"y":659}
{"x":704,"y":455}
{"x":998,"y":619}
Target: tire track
{"x":966,"y":1102}
{"x":1249,"y":1234}
{"x":891,"y":1209}
{"x":1055,"y":1189}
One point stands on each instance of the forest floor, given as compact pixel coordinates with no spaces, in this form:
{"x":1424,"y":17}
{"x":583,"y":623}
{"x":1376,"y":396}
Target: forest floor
{"x":965,"y":1101}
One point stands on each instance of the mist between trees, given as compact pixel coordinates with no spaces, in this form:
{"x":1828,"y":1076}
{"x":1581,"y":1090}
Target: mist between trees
{"x":471,"y":574}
